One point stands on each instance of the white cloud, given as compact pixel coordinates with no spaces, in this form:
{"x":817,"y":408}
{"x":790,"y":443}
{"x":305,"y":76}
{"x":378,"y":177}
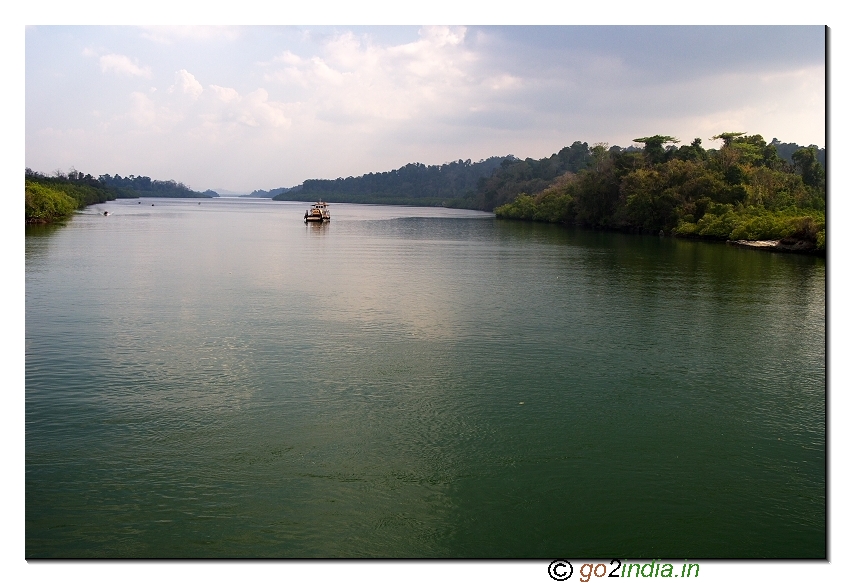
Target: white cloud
{"x":123,"y":65}
{"x":149,"y":116}
{"x":356,"y":81}
{"x":259,"y":110}
{"x":506,"y":81}
{"x":225,"y":94}
{"x":254,"y":110}
{"x":173,"y":34}
{"x":289,"y":58}
{"x":390,"y":96}
{"x":185,"y":82}
{"x":142,"y":109}
{"x":443,"y":35}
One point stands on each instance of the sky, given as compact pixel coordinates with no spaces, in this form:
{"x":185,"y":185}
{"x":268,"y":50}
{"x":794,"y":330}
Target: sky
{"x":239,"y":108}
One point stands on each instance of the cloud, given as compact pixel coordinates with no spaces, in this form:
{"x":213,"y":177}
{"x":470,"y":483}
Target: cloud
{"x":254,"y":110}
{"x":385,"y":96}
{"x":121,"y":65}
{"x":357,"y":81}
{"x":289,"y":58}
{"x":185,"y":83}
{"x":225,"y":94}
{"x":259,"y":110}
{"x":147,"y":116}
{"x":174,"y":34}
{"x":142,"y":109}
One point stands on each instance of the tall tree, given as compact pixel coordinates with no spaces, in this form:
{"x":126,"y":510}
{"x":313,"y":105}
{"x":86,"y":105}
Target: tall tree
{"x":653,"y":147}
{"x":806,"y":163}
{"x":727,"y":137}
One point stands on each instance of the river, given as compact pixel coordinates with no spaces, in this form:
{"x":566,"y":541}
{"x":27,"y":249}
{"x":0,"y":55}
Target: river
{"x":220,"y":379}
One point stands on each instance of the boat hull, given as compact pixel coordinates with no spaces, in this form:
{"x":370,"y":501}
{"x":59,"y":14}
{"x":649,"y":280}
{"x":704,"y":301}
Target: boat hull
{"x":318,"y":213}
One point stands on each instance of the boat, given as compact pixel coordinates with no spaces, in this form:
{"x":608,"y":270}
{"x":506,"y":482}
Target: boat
{"x":318,"y":213}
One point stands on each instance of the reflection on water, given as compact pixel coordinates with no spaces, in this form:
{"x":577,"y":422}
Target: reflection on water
{"x":223,"y":380}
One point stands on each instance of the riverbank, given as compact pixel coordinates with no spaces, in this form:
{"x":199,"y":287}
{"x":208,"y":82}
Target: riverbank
{"x":789,"y":230}
{"x":44,"y":205}
{"x":53,"y":199}
{"x":782,"y":246}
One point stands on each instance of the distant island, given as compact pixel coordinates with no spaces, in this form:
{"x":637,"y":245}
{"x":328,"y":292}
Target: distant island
{"x":747,"y":190}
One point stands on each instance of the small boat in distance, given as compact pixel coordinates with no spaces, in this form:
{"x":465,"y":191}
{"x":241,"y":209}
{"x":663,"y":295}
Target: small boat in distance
{"x":318,"y":213}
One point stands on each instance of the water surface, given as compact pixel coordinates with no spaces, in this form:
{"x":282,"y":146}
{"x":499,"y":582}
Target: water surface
{"x":222,"y":380}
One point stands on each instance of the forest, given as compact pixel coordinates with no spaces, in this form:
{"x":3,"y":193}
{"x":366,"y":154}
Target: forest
{"x":50,"y":199}
{"x":453,"y":185}
{"x":137,"y":186}
{"x":747,"y":189}
{"x":742,"y":191}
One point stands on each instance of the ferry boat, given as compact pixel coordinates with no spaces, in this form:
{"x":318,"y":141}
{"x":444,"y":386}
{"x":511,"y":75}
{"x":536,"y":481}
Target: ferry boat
{"x":318,"y":213}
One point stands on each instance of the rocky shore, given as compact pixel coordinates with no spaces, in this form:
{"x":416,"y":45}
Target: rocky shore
{"x":781,"y":246}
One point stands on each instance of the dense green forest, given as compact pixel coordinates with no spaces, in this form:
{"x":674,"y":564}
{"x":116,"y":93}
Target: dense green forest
{"x":742,"y":191}
{"x":453,"y":185}
{"x":44,"y":204}
{"x":138,"y":186}
{"x":514,"y":176}
{"x":747,"y":189}
{"x":50,"y":199}
{"x":786,"y":151}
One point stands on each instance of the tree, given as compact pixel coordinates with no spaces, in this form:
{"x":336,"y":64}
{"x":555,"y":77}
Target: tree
{"x":653,"y":147}
{"x":731,"y":154}
{"x":806,"y":162}
{"x":599,"y":154}
{"x":727,"y":137}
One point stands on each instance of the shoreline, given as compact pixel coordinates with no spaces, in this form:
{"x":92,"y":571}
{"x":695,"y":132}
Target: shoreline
{"x":800,"y":247}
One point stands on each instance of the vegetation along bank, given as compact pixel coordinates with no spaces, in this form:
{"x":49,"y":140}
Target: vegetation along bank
{"x":744,"y":191}
{"x":748,"y":190}
{"x":51,"y":199}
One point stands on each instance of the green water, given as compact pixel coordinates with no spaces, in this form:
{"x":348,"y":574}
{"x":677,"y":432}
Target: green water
{"x":222,"y":380}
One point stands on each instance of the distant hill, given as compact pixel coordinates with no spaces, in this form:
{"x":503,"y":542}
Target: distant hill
{"x":514,"y":176}
{"x":453,"y":184}
{"x":225,"y":192}
{"x":138,"y":186}
{"x":785,"y":151}
{"x":273,"y":192}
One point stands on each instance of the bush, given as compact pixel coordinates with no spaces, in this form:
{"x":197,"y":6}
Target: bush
{"x":685,"y":229}
{"x":523,"y":207}
{"x":761,"y":228}
{"x":44,"y":204}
